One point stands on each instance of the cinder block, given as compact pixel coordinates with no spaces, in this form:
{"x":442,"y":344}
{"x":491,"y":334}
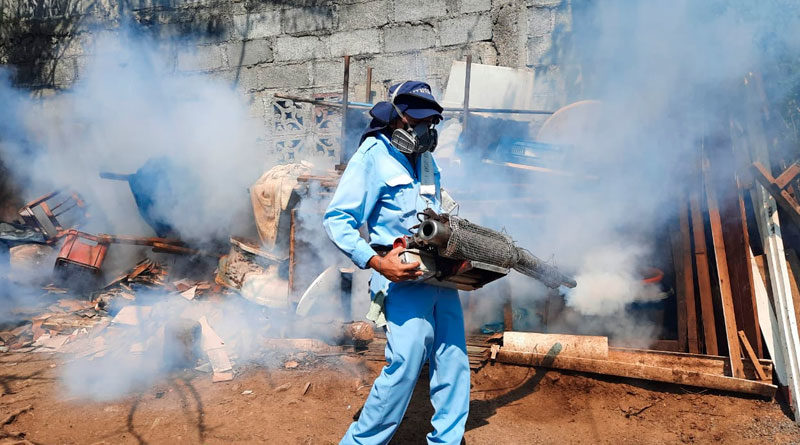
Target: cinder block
{"x":300,"y":48}
{"x":326,"y":73}
{"x":544,"y":3}
{"x":463,"y":29}
{"x":249,"y":52}
{"x":408,"y":38}
{"x":282,"y":76}
{"x":364,"y":15}
{"x":364,"y":41}
{"x":412,"y":10}
{"x":305,"y":19}
{"x":398,"y":67}
{"x":539,"y":48}
{"x":468,"y":6}
{"x":540,"y":21}
{"x":201,"y":58}
{"x":257,"y":25}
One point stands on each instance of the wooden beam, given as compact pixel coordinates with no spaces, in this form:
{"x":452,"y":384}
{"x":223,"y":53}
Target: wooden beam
{"x":751,"y":355}
{"x":688,"y":277}
{"x":726,"y":295}
{"x":703,"y":276}
{"x":708,"y":364}
{"x":637,"y":371}
{"x":680,"y":289}
{"x":782,"y":197}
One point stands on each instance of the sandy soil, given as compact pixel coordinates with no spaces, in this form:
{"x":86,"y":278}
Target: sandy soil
{"x":510,"y":405}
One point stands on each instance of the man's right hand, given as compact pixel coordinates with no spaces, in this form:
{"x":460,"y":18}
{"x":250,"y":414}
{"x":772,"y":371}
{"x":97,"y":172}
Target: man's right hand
{"x":392,"y":268}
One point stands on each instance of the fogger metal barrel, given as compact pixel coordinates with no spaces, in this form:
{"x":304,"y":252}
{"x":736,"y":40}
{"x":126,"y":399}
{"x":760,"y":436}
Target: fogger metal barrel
{"x":460,"y":239}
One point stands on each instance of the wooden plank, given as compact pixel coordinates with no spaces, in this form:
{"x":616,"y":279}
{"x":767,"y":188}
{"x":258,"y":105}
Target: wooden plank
{"x":703,"y":276}
{"x":723,"y":175}
{"x":680,"y":289}
{"x":782,"y":197}
{"x":726,"y":294}
{"x":688,"y":278}
{"x":787,"y":176}
{"x":637,"y":371}
{"x":751,"y":355}
{"x":708,"y":364}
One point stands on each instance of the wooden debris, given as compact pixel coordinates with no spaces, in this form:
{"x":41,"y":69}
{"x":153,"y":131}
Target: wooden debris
{"x":214,"y":348}
{"x":703,"y":276}
{"x":189,"y":293}
{"x":751,"y":355}
{"x":723,"y":278}
{"x":306,"y":387}
{"x":132,"y":315}
{"x":637,"y":371}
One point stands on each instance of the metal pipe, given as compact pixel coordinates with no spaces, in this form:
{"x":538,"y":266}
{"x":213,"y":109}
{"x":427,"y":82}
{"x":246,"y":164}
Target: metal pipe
{"x":345,"y":94}
{"x":368,"y":96}
{"x":467,"y":75}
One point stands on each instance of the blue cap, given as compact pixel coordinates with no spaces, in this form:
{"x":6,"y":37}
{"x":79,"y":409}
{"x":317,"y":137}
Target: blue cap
{"x":413,"y":98}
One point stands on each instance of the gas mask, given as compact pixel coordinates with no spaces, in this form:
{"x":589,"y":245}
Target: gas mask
{"x":415,"y":140}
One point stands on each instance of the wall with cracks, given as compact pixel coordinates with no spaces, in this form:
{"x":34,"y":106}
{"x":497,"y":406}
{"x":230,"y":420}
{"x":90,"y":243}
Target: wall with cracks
{"x":296,"y":47}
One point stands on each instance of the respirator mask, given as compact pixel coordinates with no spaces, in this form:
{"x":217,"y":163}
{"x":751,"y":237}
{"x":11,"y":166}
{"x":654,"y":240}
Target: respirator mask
{"x":413,"y":140}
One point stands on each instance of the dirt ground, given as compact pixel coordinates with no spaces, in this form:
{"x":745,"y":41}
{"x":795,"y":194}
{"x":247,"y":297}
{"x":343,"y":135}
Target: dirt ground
{"x":510,"y":405}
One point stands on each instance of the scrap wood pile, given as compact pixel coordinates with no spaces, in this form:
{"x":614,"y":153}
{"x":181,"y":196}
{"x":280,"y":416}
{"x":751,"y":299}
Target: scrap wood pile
{"x":733,"y":247}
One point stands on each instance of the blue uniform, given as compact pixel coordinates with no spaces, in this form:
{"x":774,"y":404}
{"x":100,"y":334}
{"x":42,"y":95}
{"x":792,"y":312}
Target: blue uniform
{"x":381,"y":188}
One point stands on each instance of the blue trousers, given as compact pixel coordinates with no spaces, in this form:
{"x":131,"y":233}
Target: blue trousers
{"x":425,"y":324}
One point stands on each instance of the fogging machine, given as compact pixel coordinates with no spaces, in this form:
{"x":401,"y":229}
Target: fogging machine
{"x":454,"y":252}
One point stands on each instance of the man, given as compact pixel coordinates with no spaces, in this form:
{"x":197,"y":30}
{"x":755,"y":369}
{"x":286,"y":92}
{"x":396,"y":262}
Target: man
{"x":388,"y":181}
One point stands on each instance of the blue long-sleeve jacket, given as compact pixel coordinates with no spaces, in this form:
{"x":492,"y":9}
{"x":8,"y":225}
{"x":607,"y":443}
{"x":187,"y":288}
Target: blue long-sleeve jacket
{"x":381,"y":188}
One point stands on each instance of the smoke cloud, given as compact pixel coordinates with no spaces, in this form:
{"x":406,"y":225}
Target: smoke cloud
{"x":662,"y":76}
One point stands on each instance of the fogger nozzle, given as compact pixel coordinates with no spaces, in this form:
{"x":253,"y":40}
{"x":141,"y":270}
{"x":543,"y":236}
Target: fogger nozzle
{"x":460,"y":239}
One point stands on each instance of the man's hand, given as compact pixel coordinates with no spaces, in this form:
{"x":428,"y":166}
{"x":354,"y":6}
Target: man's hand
{"x":392,"y":268}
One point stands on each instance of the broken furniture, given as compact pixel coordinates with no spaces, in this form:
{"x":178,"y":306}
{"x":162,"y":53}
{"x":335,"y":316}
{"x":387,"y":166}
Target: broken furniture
{"x":43,"y":213}
{"x":81,"y":257}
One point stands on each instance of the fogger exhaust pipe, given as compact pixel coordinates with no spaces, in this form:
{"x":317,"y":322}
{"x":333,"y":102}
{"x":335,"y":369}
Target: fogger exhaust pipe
{"x":461,"y":239}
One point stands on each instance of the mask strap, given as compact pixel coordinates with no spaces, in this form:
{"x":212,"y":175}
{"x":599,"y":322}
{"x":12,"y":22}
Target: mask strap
{"x":394,"y":96}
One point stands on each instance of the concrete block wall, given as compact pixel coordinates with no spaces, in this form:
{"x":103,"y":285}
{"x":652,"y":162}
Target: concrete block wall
{"x":264,"y":47}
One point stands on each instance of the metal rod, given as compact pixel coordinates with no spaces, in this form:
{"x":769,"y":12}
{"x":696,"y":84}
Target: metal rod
{"x":345,"y":93}
{"x":449,"y":110}
{"x":368,"y":96}
{"x":467,"y":75}
{"x":367,"y":106}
